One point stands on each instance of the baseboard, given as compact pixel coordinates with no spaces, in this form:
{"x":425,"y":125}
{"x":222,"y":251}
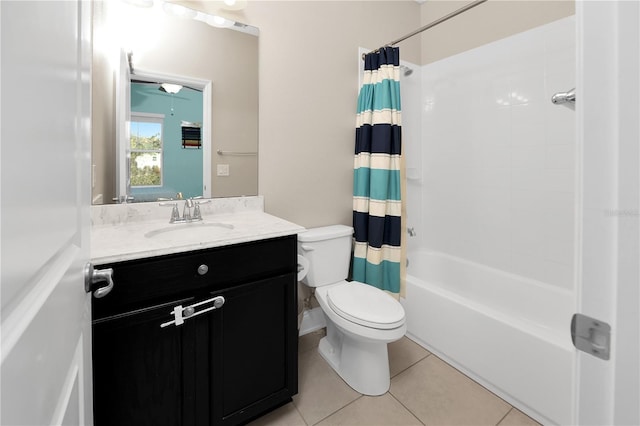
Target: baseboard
{"x":312,"y":320}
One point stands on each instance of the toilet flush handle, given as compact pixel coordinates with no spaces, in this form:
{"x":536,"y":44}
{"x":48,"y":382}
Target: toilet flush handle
{"x":306,"y":247}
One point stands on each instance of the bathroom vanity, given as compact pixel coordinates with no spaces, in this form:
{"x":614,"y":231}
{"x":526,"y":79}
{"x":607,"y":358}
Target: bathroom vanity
{"x":202,"y":334}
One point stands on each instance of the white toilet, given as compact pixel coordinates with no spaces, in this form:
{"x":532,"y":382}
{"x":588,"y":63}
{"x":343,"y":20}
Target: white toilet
{"x":361,"y":319}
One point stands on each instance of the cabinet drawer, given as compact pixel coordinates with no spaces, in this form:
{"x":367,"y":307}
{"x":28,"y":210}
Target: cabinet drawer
{"x":139,"y":283}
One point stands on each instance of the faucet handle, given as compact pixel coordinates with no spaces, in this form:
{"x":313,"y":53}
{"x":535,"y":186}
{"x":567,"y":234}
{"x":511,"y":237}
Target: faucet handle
{"x":196,"y":212}
{"x":175,"y":214}
{"x":197,"y":215}
{"x":123,"y":199}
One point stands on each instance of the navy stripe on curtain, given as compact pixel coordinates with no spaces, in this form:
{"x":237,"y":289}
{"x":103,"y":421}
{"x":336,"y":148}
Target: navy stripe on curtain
{"x":377,"y":204}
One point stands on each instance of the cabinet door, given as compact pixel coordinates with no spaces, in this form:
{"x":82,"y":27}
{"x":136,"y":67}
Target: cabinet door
{"x":144,"y":374}
{"x":254,"y":347}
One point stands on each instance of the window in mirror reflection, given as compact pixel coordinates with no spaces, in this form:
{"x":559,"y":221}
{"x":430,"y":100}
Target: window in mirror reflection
{"x":181,"y":169}
{"x":146,"y":150}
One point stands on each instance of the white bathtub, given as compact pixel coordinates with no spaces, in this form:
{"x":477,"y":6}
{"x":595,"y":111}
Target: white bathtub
{"x":509,"y":333}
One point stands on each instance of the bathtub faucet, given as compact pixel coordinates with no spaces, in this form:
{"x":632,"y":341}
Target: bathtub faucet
{"x":411,"y":231}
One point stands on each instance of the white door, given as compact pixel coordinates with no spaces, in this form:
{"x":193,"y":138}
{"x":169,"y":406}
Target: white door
{"x":45,"y":200}
{"x":608,"y":111}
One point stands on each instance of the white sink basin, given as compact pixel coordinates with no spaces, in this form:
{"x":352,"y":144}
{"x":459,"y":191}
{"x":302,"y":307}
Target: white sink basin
{"x":192,"y":231}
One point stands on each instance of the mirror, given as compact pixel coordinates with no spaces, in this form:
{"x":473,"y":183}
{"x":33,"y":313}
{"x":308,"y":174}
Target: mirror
{"x":220,"y":63}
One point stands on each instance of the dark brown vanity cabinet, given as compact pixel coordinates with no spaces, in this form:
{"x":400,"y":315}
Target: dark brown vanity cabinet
{"x":225,"y":366}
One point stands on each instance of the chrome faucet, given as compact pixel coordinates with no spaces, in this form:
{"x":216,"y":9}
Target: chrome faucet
{"x":189,"y":203}
{"x":186,"y":211}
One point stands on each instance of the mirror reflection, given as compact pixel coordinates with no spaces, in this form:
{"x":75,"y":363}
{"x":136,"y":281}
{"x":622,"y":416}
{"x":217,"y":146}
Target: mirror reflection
{"x":159,"y":167}
{"x":217,"y":72}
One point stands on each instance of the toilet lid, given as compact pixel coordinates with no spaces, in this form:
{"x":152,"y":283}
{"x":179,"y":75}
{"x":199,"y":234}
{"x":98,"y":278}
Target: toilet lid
{"x":365,"y":305}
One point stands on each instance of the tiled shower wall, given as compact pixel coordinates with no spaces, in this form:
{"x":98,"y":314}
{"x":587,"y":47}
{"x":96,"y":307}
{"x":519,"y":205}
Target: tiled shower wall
{"x":491,"y":173}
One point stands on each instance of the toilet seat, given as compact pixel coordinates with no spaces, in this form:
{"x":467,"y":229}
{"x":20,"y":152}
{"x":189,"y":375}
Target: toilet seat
{"x":365,"y":305}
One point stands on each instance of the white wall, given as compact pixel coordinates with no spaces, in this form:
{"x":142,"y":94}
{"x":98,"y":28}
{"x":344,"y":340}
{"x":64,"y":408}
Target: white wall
{"x":491,"y":21}
{"x":498,"y":158}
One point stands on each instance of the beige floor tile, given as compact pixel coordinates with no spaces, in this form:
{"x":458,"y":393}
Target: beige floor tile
{"x":440,"y":395}
{"x":321,"y":391}
{"x":310,"y":340}
{"x":287,"y":415}
{"x":372,"y":410}
{"x":403,"y":354}
{"x":518,"y":418}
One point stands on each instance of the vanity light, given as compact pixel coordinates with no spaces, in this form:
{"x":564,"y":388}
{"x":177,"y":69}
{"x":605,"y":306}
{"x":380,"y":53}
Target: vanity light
{"x":171,"y":88}
{"x":219,"y":21}
{"x":179,"y":11}
{"x":234,"y":4}
{"x":139,"y":3}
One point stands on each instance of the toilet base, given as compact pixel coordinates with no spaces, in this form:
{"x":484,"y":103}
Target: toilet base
{"x":362,"y":364}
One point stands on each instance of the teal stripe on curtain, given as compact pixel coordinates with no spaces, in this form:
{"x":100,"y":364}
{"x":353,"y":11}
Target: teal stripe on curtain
{"x":379,"y":275}
{"x":387,"y":96}
{"x":376,"y":185}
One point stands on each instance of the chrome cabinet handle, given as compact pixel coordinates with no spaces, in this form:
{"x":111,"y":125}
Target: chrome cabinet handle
{"x":99,"y":281}
{"x":181,"y":314}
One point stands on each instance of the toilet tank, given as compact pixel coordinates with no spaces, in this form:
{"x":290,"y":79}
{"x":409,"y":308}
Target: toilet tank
{"x":328,"y":250}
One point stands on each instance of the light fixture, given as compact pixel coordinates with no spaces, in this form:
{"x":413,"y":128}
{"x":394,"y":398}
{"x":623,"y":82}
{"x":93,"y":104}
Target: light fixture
{"x":219,"y":21}
{"x":234,"y":4}
{"x":170,"y":88}
{"x":139,"y":3}
{"x":179,"y":11}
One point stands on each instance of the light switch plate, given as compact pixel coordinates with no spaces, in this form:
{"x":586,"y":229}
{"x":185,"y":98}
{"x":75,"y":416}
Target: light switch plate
{"x":223,"y":170}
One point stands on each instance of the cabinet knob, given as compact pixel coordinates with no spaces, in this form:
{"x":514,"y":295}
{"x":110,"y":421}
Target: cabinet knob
{"x":203,"y":269}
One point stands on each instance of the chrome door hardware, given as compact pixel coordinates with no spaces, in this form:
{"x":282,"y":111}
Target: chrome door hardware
{"x":181,"y":314}
{"x":591,"y":336}
{"x":564,"y":97}
{"x":99,"y":281}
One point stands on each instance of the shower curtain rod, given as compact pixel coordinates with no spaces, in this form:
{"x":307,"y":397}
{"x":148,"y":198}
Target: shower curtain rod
{"x":433,"y":24}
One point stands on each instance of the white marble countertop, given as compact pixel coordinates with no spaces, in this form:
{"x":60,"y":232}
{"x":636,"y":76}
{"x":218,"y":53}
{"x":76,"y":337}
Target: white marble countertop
{"x":135,"y":231}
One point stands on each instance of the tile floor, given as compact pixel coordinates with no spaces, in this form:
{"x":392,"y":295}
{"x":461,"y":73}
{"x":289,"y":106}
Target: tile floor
{"x":424,"y":391}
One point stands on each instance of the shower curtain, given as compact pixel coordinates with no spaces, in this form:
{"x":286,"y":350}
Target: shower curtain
{"x":377,"y":204}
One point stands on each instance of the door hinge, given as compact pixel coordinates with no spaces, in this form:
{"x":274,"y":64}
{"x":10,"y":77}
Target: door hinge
{"x":591,"y":336}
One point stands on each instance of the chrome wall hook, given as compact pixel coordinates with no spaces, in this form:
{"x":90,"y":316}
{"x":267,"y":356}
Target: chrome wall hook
{"x":564,"y":97}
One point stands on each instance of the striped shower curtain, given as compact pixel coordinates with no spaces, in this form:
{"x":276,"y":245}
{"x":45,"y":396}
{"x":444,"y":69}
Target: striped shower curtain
{"x":377,"y":185}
